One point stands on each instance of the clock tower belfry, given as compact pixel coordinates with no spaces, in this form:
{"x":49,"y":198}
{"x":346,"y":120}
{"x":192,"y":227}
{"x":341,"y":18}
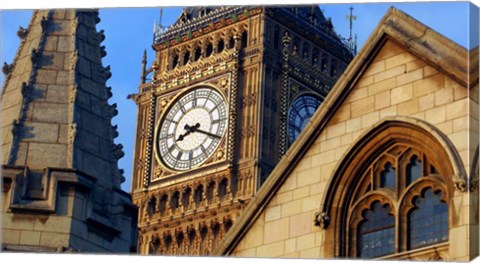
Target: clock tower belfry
{"x":230,"y":89}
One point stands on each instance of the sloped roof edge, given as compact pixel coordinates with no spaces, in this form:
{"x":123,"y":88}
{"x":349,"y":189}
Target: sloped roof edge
{"x":437,"y":50}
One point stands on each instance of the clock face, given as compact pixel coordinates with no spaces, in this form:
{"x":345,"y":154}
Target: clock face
{"x":299,"y":114}
{"x":192,"y":129}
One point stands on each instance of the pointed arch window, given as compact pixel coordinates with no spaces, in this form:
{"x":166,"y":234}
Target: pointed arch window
{"x":420,"y":165}
{"x":388,"y":176}
{"x":428,"y":221}
{"x":376,"y":232}
{"x":414,"y":169}
{"x":408,"y":205}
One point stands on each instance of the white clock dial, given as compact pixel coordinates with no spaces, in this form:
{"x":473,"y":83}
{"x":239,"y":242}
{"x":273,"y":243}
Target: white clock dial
{"x":192,"y":129}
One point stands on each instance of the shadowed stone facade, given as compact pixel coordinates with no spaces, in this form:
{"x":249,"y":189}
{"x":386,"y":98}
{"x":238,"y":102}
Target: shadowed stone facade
{"x":61,"y":182}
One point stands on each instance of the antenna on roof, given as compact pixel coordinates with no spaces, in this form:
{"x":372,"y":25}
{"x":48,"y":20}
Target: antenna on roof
{"x":352,"y":42}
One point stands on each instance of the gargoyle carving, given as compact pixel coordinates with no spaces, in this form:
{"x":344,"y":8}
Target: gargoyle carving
{"x":103,"y":53}
{"x":44,"y":23}
{"x":321,"y":220}
{"x":35,"y":55}
{"x":106,"y":72}
{"x":7,"y":68}
{"x":459,"y":183}
{"x":22,"y":33}
{"x":118,"y":151}
{"x":25,"y":89}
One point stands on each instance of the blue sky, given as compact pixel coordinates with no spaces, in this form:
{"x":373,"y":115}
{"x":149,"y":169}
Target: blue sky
{"x":129,"y":31}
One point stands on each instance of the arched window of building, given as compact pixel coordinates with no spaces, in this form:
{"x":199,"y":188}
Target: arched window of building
{"x":186,"y":197}
{"x":175,"y":200}
{"x":231,"y":42}
{"x":175,"y":60}
{"x":244,"y":39}
{"x":198,"y":195}
{"x":222,"y":188}
{"x":186,"y":57}
{"x":428,"y":221}
{"x":376,"y":233}
{"x":414,"y":169}
{"x":324,"y":62}
{"x":416,"y":208}
{"x":389,"y":197}
{"x":162,"y":206}
{"x":387,"y":177}
{"x":198,"y":53}
{"x":209,"y":50}
{"x":210,"y":192}
{"x":220,"y":46}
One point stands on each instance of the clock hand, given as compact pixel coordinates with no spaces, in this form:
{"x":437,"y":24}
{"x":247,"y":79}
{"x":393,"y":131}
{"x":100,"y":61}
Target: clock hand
{"x":189,"y":129}
{"x":209,"y":134}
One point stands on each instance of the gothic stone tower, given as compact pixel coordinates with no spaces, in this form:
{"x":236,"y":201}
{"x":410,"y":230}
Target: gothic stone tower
{"x":61,"y":182}
{"x":229,"y":91}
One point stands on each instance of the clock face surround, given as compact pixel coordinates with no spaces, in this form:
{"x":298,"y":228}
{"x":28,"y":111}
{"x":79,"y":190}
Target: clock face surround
{"x":192,"y":128}
{"x":299,"y":114}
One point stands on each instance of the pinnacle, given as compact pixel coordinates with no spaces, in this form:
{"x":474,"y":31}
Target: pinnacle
{"x":56,"y":100}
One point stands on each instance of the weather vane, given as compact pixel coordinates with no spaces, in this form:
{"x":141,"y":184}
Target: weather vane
{"x":351,"y":41}
{"x":158,"y":29}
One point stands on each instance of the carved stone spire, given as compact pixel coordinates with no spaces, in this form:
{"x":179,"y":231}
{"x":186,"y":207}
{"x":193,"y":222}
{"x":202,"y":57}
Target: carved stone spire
{"x":56,"y":123}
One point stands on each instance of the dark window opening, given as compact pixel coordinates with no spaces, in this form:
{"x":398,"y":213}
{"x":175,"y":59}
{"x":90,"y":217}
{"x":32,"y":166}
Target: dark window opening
{"x":244,"y":41}
{"x":175,"y":61}
{"x":209,"y":50}
{"x":220,"y":46}
{"x":186,"y":57}
{"x":198,"y":53}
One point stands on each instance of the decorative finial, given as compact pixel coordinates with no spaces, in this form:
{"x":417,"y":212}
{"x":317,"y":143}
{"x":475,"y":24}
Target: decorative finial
{"x":144,"y":67}
{"x":352,"y":42}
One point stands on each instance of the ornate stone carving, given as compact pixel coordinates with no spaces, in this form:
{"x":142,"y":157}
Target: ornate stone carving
{"x":112,"y":110}
{"x":109,"y":93}
{"x":74,"y":60}
{"x":25,"y":90}
{"x":103,"y":53}
{"x":72,"y":132}
{"x":73,"y":94}
{"x":117,"y":150}
{"x":16,"y":127}
{"x":97,"y":18}
{"x":45,"y":23}
{"x":114,"y":131}
{"x":22,"y":33}
{"x":100,"y":36}
{"x":106,"y":72}
{"x":7,"y":68}
{"x":321,"y":220}
{"x":35,"y":56}
{"x":474,"y":184}
{"x":459,"y":183}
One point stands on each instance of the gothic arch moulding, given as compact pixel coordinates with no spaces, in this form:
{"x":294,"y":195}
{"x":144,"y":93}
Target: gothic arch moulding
{"x":401,"y":136}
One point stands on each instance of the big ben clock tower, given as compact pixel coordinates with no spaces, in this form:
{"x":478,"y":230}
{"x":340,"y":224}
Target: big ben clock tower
{"x":231,"y":88}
